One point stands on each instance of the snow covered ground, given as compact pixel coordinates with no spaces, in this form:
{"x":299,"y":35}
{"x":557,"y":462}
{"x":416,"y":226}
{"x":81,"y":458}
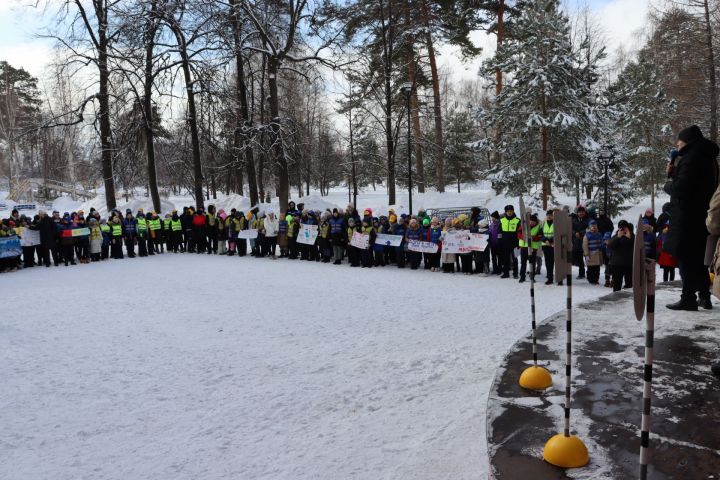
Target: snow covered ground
{"x":189,"y":366}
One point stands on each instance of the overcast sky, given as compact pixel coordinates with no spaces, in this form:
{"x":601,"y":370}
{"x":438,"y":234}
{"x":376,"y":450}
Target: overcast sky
{"x":620,"y":19}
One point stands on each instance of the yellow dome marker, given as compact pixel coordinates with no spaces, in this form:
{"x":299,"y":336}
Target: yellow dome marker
{"x":565,"y":450}
{"x":535,"y":378}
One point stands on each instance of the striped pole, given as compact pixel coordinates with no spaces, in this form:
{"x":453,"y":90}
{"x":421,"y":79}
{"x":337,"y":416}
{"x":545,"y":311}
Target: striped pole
{"x":535,"y":377}
{"x":647,"y":381}
{"x":532,"y":312}
{"x":568,"y":352}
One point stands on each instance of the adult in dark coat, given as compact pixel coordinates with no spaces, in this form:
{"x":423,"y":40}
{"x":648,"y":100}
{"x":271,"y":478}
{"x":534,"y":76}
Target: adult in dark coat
{"x":693,"y":178}
{"x":48,"y":236}
{"x":580,"y":223}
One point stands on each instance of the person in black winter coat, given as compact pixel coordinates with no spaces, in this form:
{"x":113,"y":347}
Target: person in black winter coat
{"x":48,"y":236}
{"x":605,"y":227}
{"x":621,"y":259}
{"x":693,"y":178}
{"x":580,"y":224}
{"x":663,"y":219}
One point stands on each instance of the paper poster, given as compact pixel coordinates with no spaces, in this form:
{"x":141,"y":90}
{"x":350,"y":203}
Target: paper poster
{"x":307,"y":234}
{"x":10,"y":247}
{"x":422,"y":247}
{"x":457,"y":242}
{"x":389,"y":240}
{"x":247,"y":234}
{"x":360,"y":240}
{"x":478,"y":242}
{"x":30,"y":238}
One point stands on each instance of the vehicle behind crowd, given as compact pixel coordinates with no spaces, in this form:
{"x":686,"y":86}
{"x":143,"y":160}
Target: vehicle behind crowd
{"x":490,"y":243}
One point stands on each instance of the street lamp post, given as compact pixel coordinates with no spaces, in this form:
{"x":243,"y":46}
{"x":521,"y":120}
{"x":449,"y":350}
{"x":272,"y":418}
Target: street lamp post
{"x":607,"y":157}
{"x":407,"y":88}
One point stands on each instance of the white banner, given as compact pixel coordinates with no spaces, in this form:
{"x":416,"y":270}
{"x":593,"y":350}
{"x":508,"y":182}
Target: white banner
{"x":422,"y":247}
{"x":360,"y":240}
{"x":247,"y":234}
{"x":478,"y":242}
{"x":307,"y":234}
{"x":456,"y":242}
{"x":389,"y":240}
{"x":30,"y":238}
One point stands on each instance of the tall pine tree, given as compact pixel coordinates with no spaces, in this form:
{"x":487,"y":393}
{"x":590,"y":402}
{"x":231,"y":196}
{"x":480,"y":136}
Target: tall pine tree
{"x":542,"y":111}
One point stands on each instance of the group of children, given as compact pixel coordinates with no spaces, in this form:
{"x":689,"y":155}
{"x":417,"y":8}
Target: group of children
{"x":91,"y":238}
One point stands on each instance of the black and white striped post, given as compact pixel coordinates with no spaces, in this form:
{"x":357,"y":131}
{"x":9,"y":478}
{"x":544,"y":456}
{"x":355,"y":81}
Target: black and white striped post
{"x":565,"y":450}
{"x":534,"y":377}
{"x":644,"y":300}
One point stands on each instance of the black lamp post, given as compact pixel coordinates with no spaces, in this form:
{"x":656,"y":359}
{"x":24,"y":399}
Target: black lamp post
{"x":407,"y":88}
{"x":607,"y":157}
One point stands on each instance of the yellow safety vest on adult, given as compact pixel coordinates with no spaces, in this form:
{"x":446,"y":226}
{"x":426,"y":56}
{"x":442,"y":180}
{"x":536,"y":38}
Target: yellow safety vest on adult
{"x":509,"y":225}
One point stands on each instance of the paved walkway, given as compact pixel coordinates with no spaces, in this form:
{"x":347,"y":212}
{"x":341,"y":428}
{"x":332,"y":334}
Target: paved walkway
{"x":607,"y":394}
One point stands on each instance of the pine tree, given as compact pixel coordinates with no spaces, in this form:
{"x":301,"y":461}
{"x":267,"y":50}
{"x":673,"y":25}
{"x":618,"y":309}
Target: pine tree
{"x":542,"y":112}
{"x":643,"y":112}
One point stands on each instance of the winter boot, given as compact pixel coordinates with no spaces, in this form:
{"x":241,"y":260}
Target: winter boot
{"x":684,"y":305}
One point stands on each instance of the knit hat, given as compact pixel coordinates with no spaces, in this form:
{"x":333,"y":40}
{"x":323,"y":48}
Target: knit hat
{"x":623,"y":224}
{"x":128,"y":211}
{"x":393,"y":218}
{"x":592,"y":223}
{"x":495,"y":215}
{"x":367,"y":212}
{"x":691,"y":134}
{"x":351,"y":222}
{"x":509,"y":207}
{"x":550,"y":212}
{"x":649,"y":212}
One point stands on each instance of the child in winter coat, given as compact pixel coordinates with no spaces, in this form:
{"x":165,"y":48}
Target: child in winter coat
{"x":352,"y":251}
{"x":222,"y":227}
{"x":106,"y":240}
{"x":466,"y":259}
{"x":533,"y":241}
{"x":324,"y":238}
{"x":378,"y":248}
{"x":447,"y":259}
{"x":282,"y":238}
{"x":433,"y":236}
{"x":270,"y":226}
{"x":366,"y":254}
{"x":667,"y":261}
{"x":293,"y":230}
{"x":649,"y":239}
{"x":621,"y":256}
{"x":96,"y":240}
{"x":413,"y":233}
{"x":592,"y":249}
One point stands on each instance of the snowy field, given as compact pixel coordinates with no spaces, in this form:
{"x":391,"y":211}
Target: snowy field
{"x":206,"y":367}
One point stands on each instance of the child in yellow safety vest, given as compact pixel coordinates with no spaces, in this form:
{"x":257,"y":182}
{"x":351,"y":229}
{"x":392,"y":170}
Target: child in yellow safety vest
{"x":533,"y":241}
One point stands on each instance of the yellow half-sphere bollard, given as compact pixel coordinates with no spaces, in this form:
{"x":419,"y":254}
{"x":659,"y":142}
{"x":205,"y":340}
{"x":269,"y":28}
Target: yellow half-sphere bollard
{"x":535,"y":378}
{"x":566,"y":452}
